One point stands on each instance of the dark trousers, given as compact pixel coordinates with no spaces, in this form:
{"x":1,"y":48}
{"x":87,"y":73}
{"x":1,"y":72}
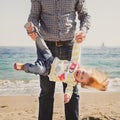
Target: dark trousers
{"x":46,"y":98}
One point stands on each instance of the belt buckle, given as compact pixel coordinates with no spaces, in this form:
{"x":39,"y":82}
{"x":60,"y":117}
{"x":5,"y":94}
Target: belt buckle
{"x":58,"y":44}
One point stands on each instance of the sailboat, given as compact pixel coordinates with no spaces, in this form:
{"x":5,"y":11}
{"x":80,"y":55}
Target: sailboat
{"x":103,"y":45}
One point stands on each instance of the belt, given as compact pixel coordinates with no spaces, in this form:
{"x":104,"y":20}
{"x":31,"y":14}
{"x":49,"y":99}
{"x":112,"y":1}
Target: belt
{"x":58,"y":43}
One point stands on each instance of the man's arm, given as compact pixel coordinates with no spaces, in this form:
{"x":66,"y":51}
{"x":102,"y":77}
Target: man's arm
{"x":34,"y":16}
{"x":84,"y":18}
{"x":32,"y":26}
{"x":83,"y":15}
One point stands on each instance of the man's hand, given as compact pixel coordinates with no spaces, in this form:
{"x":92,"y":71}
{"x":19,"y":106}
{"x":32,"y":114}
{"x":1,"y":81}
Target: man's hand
{"x":67,"y":98}
{"x":80,"y":36}
{"x":31,"y":30}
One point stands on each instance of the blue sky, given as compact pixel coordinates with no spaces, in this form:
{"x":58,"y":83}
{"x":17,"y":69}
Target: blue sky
{"x":105,"y":23}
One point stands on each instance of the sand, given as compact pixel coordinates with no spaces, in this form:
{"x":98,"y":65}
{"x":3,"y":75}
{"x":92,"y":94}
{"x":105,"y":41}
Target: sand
{"x":93,"y":106}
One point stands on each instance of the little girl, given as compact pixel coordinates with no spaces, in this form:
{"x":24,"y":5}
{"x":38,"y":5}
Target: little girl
{"x":69,"y":72}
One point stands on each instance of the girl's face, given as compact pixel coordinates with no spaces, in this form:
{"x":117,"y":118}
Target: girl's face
{"x":82,"y":76}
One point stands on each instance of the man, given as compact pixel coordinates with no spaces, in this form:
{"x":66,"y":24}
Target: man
{"x":56,"y":22}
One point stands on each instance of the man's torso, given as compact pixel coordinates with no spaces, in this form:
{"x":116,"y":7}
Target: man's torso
{"x":57,"y":19}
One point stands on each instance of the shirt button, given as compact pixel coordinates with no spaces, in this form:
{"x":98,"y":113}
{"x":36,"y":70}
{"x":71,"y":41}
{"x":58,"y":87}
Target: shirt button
{"x":57,"y":9}
{"x":59,"y":24}
{"x":59,"y":18}
{"x":60,"y":33}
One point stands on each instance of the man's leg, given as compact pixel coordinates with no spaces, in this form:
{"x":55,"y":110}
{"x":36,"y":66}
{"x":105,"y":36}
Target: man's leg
{"x":46,"y":98}
{"x":71,"y":108}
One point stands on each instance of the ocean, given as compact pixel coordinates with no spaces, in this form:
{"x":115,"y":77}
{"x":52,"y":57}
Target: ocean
{"x":106,"y":59}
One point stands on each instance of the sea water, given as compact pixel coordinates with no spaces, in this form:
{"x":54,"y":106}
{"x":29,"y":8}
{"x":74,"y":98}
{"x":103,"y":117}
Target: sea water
{"x":106,"y":59}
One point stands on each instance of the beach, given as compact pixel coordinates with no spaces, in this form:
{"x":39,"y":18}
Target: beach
{"x":93,"y":106}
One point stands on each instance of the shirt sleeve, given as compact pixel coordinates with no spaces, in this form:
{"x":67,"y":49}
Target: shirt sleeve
{"x":69,"y":89}
{"x":83,"y":15}
{"x":35,"y":11}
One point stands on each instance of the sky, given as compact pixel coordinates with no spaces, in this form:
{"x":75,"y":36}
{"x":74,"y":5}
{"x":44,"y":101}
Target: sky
{"x":105,"y":23}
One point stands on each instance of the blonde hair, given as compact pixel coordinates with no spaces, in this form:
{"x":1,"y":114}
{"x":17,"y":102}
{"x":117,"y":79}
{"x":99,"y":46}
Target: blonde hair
{"x":94,"y":83}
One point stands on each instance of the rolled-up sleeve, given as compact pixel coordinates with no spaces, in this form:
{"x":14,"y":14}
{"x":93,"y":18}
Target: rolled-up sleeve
{"x":35,"y":11}
{"x":37,"y":68}
{"x":83,"y":15}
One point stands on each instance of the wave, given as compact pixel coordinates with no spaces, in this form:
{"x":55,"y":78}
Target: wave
{"x":31,"y":87}
{"x":114,"y":84}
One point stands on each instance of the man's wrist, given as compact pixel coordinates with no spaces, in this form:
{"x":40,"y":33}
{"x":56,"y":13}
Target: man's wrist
{"x":31,"y":31}
{"x":84,"y":29}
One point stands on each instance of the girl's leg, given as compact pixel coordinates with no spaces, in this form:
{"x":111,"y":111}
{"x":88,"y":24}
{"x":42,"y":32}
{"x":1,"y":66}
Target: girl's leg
{"x":42,"y":48}
{"x":44,"y":59}
{"x":44,"y":54}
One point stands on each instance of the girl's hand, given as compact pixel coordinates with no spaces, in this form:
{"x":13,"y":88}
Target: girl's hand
{"x":67,"y":98}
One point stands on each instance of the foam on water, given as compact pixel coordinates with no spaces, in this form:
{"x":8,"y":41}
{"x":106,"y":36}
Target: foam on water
{"x":31,"y":87}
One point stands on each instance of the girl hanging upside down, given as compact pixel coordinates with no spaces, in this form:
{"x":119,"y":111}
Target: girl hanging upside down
{"x":58,"y":70}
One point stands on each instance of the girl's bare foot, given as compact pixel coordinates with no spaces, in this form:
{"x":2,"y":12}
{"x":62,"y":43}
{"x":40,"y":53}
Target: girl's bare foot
{"x":19,"y":66}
